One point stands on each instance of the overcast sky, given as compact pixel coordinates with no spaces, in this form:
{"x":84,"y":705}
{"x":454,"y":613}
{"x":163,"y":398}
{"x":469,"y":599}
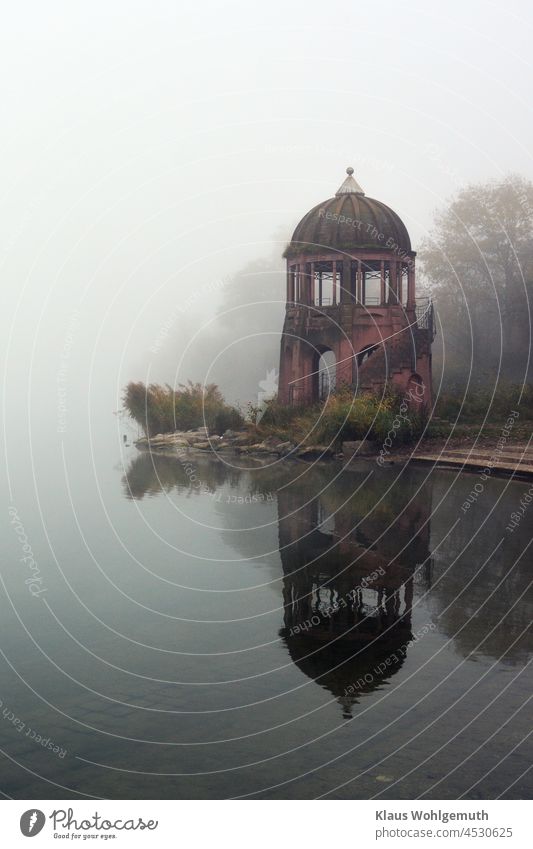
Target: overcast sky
{"x":149,"y":149}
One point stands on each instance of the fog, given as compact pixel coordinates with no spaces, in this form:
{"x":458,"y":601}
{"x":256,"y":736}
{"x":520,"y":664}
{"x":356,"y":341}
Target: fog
{"x":156,"y":157}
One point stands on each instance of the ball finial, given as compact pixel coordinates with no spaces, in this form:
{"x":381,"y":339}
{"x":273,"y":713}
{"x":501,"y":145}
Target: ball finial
{"x":349,"y":171}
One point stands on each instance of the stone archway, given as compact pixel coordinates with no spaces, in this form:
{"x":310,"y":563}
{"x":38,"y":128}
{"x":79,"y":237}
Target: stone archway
{"x":324,"y":373}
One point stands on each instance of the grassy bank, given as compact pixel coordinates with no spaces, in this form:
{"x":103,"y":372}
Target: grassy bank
{"x":343,"y":417}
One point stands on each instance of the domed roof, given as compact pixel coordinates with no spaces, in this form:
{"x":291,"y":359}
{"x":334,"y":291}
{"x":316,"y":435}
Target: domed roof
{"x":349,"y":222}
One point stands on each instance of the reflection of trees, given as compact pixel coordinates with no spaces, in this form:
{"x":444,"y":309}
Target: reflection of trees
{"x":456,"y":594}
{"x":151,"y":473}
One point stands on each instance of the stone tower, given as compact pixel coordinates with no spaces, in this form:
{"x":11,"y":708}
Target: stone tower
{"x":352,"y":315}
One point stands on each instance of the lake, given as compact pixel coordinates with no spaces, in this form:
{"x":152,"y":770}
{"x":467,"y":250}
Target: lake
{"x":201,"y":629}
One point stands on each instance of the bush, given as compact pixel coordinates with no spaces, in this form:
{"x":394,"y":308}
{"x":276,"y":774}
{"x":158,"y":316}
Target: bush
{"x":162,"y":409}
{"x":344,"y":417}
{"x":227,"y":418}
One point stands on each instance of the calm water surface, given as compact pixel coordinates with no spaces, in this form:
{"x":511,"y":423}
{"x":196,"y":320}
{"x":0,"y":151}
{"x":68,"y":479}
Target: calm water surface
{"x":281,"y":632}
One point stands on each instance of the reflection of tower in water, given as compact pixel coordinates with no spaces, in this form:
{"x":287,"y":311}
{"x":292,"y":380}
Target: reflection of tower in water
{"x":348,"y":585}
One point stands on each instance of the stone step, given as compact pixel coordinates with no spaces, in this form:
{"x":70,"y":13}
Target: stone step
{"x":511,"y":451}
{"x":510,"y":465}
{"x":487,"y":457}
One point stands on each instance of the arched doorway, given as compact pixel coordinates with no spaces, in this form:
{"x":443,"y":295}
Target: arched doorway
{"x":325,"y":374}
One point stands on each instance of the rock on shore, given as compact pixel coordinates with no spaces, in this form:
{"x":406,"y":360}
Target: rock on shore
{"x":239,"y":442}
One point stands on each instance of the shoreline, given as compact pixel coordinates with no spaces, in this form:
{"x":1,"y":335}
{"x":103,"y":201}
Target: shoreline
{"x":467,"y":455}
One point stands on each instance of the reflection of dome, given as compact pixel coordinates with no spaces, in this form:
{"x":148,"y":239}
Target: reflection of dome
{"x":349,"y":221}
{"x":348,"y":669}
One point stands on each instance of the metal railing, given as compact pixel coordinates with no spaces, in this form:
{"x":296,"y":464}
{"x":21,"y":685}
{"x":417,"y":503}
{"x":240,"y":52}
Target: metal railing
{"x":425,"y":316}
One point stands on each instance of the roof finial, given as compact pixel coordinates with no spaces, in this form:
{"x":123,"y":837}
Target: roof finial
{"x":350,"y":185}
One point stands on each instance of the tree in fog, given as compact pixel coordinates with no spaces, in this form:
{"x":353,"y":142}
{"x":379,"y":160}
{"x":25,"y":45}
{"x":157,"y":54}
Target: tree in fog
{"x":478,"y":261}
{"x":240,"y":349}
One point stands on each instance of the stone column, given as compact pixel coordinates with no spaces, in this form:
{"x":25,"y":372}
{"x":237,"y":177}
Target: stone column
{"x":346,"y":280}
{"x":393,"y":282}
{"x":411,"y":300}
{"x":305,"y":284}
{"x":382,"y":297}
{"x":344,"y":355}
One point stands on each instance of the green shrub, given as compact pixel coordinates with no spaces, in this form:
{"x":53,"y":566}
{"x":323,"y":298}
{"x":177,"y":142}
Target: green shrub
{"x":343,"y":417}
{"x":162,"y":409}
{"x":226,"y":418}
